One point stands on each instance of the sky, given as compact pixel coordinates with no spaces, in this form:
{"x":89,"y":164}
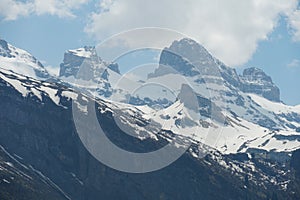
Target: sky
{"x":259,"y":33}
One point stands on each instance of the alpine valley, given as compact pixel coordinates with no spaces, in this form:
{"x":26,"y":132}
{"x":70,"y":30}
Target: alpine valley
{"x":244,"y":140}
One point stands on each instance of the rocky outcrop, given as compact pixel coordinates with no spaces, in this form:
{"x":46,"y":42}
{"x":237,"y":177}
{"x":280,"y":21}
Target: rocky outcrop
{"x":189,"y":58}
{"x":86,"y":60}
{"x":4,"y":50}
{"x":254,"y":80}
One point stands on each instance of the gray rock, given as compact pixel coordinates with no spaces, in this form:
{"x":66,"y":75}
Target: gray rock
{"x":254,"y":80}
{"x":189,"y":58}
{"x":91,"y":66}
{"x":4,"y":50}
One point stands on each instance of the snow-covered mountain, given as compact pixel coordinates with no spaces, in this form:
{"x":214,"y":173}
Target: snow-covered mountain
{"x":85,"y":57}
{"x":192,"y":60}
{"x":82,"y":67}
{"x":255,"y":117}
{"x":20,"y":61}
{"x":237,"y":113}
{"x":60,"y":160}
{"x":255,"y":81}
{"x":236,"y":122}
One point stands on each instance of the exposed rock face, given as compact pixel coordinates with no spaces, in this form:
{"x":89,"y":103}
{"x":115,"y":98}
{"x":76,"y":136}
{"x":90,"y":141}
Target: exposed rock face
{"x":4,"y":50}
{"x":188,"y":97}
{"x":74,"y":59}
{"x":254,"y":80}
{"x":87,"y":60}
{"x":189,"y":58}
{"x":230,"y":75}
{"x":85,"y":64}
{"x":114,"y":67}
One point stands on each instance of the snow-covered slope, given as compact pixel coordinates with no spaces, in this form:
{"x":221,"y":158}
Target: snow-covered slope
{"x":249,"y":112}
{"x":231,"y":136}
{"x":56,"y":167}
{"x":228,"y":117}
{"x":84,"y":69}
{"x":276,"y":107}
{"x":209,"y":110}
{"x":250,"y":102}
{"x":235,"y":135}
{"x":20,"y":61}
{"x":27,"y":86}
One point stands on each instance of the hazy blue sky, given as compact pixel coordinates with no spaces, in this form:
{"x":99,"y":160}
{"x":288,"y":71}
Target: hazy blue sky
{"x":240,"y":34}
{"x":279,"y":57}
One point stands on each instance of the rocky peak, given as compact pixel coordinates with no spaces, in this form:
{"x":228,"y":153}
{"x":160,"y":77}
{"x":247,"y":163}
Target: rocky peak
{"x":85,"y":52}
{"x":255,"y":80}
{"x":189,"y":58}
{"x":73,"y":59}
{"x":256,"y":75}
{"x":4,"y":50}
{"x":84,"y":57}
{"x":190,"y":50}
{"x":20,"y":61}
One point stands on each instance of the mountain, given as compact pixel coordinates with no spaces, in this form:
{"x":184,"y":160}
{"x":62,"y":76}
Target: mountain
{"x":45,"y":139}
{"x":256,"y":81}
{"x":191,"y":59}
{"x":97,"y":77}
{"x":73,"y":59}
{"x":243,"y":139}
{"x":83,"y":68}
{"x":20,"y":61}
{"x":243,"y":107}
{"x":250,"y":102}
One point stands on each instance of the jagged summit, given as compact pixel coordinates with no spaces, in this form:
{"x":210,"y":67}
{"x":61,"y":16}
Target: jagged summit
{"x":191,"y":50}
{"x":255,"y":74}
{"x":4,"y":50}
{"x":256,"y":81}
{"x":84,"y":68}
{"x":86,"y":52}
{"x":86,"y":56}
{"x":188,"y":58}
{"x":191,"y":59}
{"x":20,"y":61}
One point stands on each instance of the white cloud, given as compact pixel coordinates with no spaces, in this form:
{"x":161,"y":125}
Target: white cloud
{"x":61,"y":8}
{"x":294,"y":23}
{"x":229,"y":29}
{"x":294,"y":63}
{"x":13,"y":9}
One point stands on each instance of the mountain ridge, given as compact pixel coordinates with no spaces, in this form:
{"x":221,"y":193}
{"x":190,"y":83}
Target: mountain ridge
{"x":74,"y":176}
{"x":245,"y":146}
{"x":20,"y":61}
